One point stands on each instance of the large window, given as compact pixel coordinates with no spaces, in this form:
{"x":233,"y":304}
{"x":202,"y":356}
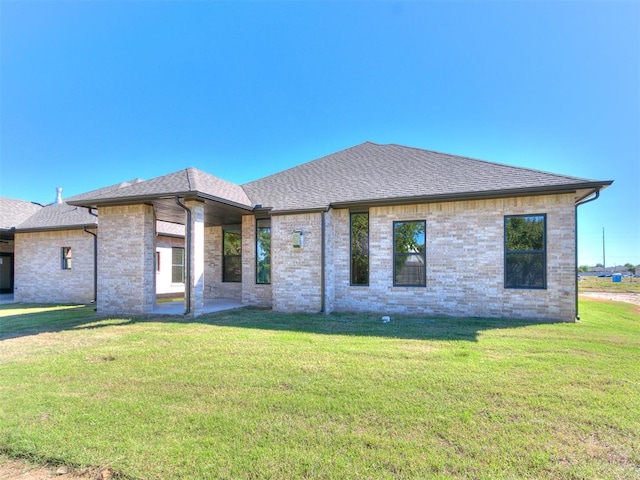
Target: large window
{"x":231,"y":255}
{"x":359,"y":249}
{"x":263,"y":251}
{"x":525,"y":251}
{"x":67,"y":258}
{"x":409,"y":254}
{"x":177,"y":265}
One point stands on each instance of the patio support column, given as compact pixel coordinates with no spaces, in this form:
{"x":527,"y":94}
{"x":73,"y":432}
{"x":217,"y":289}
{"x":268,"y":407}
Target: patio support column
{"x":196,"y":257}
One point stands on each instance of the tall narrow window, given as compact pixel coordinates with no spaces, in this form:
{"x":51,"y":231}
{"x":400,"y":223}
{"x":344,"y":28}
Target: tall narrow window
{"x":232,"y":255}
{"x":409,"y":254}
{"x":359,"y":249}
{"x":525,"y":253}
{"x":67,"y":258}
{"x":177,"y":265}
{"x":263,"y":251}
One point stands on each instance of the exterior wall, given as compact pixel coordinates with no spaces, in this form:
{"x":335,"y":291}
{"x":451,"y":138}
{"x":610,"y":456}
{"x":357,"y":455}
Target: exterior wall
{"x":39,"y":277}
{"x":257,"y":295}
{"x":126,"y":260}
{"x":465,"y":261}
{"x":214,"y":287}
{"x":164,"y":286}
{"x":7,"y":246}
{"x":296,"y":273}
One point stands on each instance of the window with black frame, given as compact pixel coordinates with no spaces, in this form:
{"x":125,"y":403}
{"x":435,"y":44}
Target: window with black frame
{"x":525,"y":262}
{"x":263,"y":251}
{"x":232,"y":255}
{"x":409,"y":254}
{"x":359,"y":249}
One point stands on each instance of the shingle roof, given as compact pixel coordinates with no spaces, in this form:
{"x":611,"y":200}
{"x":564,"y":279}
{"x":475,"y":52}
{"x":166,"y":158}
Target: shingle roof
{"x":379,"y":173}
{"x":59,"y":216}
{"x":14,"y":212}
{"x":187,"y":181}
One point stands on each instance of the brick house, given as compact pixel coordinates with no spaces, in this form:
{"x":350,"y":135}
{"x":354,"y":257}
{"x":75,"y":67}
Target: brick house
{"x":382,"y":228}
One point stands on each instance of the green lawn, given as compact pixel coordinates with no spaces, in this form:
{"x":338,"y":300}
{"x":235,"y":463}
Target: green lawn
{"x":253,"y":394}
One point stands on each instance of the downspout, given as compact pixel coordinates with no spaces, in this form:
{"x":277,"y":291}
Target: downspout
{"x":95,"y":258}
{"x":187,"y":284}
{"x":576,"y":246}
{"x":95,"y":264}
{"x":322,"y":266}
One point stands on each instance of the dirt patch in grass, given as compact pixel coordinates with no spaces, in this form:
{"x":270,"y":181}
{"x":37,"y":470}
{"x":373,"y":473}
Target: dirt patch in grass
{"x":614,"y":296}
{"x":19,"y":469}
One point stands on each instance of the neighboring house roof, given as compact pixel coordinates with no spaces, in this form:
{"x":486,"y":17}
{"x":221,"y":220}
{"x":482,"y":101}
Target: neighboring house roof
{"x":187,"y":182}
{"x":59,"y":216}
{"x":380,"y":174}
{"x":14,"y":212}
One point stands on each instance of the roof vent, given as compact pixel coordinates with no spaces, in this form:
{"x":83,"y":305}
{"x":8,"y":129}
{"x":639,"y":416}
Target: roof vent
{"x":58,"y":195}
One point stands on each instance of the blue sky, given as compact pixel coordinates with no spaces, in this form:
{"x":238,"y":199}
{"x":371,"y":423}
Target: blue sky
{"x":93,"y":93}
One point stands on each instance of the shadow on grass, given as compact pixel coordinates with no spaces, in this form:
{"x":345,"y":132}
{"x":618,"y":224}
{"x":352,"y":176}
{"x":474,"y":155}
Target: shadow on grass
{"x":33,"y":320}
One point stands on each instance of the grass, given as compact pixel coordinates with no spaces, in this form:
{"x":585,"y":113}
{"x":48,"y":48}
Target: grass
{"x":606,"y":284}
{"x":256,"y":394}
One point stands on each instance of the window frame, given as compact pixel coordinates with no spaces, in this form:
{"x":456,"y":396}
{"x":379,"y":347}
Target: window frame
{"x":258,"y":228}
{"x":236,"y":230}
{"x":351,"y":255}
{"x":423,"y":254}
{"x":542,"y":253}
{"x":182,"y":265}
{"x":66,"y":258}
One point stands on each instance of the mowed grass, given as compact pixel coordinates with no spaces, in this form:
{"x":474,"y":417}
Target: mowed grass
{"x":256,"y":394}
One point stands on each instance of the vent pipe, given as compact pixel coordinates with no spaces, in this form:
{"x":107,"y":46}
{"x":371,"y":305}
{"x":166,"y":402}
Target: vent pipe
{"x":58,"y":196}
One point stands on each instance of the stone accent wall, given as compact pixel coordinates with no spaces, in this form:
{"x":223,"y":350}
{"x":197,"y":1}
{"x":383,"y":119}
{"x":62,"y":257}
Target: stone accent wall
{"x":296,"y":273}
{"x":126,"y":263}
{"x":465,"y":261}
{"x":164,"y":286}
{"x":257,"y":295}
{"x":214,"y":286}
{"x":39,"y":277}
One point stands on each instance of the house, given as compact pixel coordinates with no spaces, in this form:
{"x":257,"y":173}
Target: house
{"x":383,"y":228}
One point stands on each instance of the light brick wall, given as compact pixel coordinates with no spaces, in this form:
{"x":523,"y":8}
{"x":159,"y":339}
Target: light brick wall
{"x":164,"y":285}
{"x":214,"y":287}
{"x":465,"y":261}
{"x":296,"y":272}
{"x":257,"y":295}
{"x":39,"y":277}
{"x":126,"y":263}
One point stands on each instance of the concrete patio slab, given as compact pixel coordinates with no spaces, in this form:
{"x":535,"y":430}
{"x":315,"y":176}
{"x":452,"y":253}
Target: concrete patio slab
{"x":210,"y":306}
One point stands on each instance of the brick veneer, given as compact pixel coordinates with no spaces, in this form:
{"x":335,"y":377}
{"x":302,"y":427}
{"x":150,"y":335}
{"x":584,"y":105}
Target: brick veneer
{"x":39,"y":277}
{"x":214,"y":287}
{"x":465,"y":261}
{"x":259,"y":295}
{"x":126,"y":264}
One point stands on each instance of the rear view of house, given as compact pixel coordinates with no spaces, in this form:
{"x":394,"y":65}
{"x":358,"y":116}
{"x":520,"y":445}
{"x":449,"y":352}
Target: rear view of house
{"x":382,"y":228}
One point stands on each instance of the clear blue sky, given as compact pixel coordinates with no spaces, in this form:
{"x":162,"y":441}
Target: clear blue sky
{"x":93,"y":93}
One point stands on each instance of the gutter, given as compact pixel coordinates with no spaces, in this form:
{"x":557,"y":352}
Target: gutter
{"x":187,"y":284}
{"x":575,"y":235}
{"x":95,"y":264}
{"x":322,"y":264}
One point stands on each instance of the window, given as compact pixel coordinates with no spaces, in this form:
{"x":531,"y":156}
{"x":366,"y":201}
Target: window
{"x":525,"y":251}
{"x":231,"y":255}
{"x":157,"y":261}
{"x":177,"y":265}
{"x":359,"y":249}
{"x":66,"y":258}
{"x":409,"y":254}
{"x":263,"y":251}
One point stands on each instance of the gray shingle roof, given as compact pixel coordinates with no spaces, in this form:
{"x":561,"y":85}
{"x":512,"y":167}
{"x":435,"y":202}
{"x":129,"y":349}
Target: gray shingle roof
{"x":385,"y":173}
{"x":14,"y":212}
{"x":59,"y":216}
{"x":187,"y":181}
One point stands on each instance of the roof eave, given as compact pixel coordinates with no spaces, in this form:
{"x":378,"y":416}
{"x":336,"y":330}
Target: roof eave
{"x":56,"y":227}
{"x":189,"y":195}
{"x":488,"y":194}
